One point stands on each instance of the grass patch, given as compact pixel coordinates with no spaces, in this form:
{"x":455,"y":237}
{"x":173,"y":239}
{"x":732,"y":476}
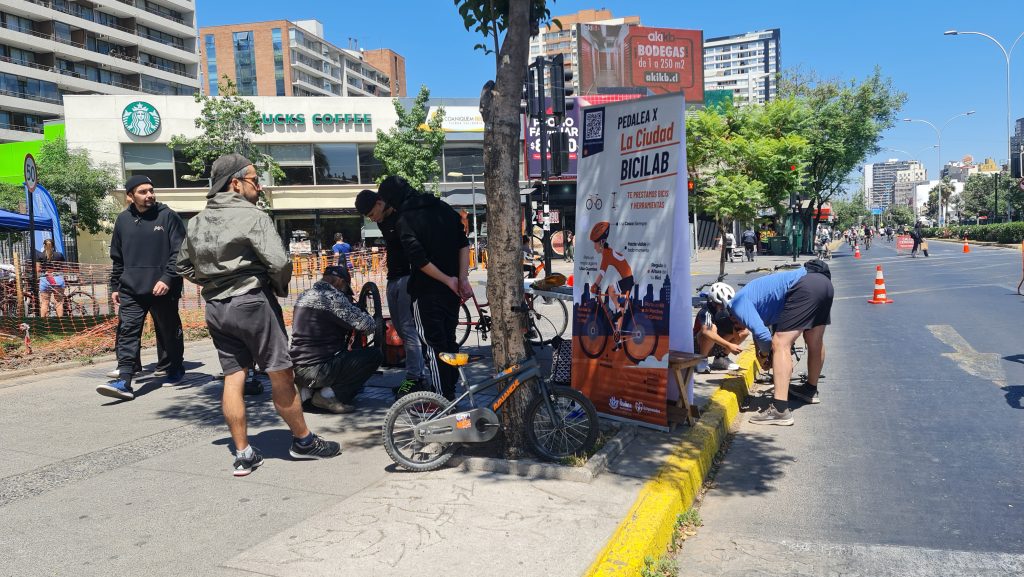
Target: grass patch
{"x":664,"y":566}
{"x":686,"y":527}
{"x":603,"y":436}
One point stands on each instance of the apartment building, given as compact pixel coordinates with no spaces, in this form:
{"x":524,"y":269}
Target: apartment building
{"x":553,"y":40}
{"x":53,"y":48}
{"x":1017,"y":149}
{"x":284,"y":58}
{"x":892,"y":182}
{"x":392,"y":64}
{"x":746,"y":64}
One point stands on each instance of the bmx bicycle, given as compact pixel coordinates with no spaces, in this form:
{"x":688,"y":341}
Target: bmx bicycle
{"x":421,"y":429}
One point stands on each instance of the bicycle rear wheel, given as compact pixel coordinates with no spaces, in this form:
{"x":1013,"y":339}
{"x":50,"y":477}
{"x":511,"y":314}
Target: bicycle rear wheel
{"x":560,"y":423}
{"x":400,"y":439}
{"x":548,"y":321}
{"x":465,"y":325}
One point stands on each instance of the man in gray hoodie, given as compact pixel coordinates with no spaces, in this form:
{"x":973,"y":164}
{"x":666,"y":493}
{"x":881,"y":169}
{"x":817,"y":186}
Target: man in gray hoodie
{"x":232,"y":250}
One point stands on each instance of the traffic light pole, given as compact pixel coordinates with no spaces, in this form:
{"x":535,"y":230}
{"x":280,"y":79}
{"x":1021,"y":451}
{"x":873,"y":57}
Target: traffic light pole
{"x":539,"y":65}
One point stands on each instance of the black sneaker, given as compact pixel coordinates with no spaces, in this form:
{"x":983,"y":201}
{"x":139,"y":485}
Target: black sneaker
{"x":318,"y":449}
{"x":245,"y":466}
{"x":805,"y":393}
{"x":119,"y":389}
{"x":253,"y":387}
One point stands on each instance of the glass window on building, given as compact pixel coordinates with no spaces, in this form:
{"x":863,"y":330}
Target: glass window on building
{"x":296,"y":160}
{"x":153,"y":160}
{"x":278,"y":61}
{"x":370,"y":169}
{"x":183,"y":169}
{"x":336,"y":163}
{"x":211,"y":65}
{"x":467,"y":158}
{"x":245,"y":63}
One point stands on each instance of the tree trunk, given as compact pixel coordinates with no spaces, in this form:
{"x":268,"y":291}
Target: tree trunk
{"x":725,"y":249}
{"x":501,"y":113}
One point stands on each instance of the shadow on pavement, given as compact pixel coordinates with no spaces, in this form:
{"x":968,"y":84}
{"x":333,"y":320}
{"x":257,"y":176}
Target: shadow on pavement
{"x":1014,"y":396}
{"x":755,"y":461}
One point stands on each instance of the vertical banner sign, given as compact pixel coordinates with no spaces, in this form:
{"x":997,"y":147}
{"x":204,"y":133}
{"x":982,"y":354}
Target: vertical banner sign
{"x":632,"y":257}
{"x":45,"y":207}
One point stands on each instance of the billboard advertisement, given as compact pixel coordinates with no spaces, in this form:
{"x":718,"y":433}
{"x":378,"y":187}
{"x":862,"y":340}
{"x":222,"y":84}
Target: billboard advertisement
{"x":632,"y":257}
{"x":531,"y":139}
{"x":661,"y":60}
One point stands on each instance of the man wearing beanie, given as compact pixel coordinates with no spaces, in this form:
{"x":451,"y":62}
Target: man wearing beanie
{"x":372,"y":206}
{"x":234,"y":253}
{"x":144,"y":279}
{"x":435,"y":243}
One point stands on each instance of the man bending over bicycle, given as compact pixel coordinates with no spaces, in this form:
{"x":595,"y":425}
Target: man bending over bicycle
{"x":715,"y":333}
{"x":792,"y":303}
{"x":614,"y":259}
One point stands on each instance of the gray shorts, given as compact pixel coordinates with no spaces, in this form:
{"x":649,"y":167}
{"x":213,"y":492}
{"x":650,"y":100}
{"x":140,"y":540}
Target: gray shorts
{"x":249,"y":328}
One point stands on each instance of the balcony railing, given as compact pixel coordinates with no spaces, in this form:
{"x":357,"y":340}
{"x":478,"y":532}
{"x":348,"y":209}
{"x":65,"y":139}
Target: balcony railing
{"x":174,"y":42}
{"x":28,"y":63}
{"x":19,"y":128}
{"x":26,"y":95}
{"x":161,"y":14}
{"x":171,"y":69}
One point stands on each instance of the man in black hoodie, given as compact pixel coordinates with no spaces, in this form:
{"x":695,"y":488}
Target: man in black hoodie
{"x":144,"y":279}
{"x":436,"y":246}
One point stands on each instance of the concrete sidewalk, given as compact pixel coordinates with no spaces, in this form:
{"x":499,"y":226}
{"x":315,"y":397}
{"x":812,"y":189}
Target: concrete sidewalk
{"x":94,"y":487}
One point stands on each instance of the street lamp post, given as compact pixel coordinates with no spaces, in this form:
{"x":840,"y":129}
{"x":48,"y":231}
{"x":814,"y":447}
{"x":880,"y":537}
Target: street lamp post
{"x":476,"y":237}
{"x":1007,"y":54}
{"x":938,"y":146}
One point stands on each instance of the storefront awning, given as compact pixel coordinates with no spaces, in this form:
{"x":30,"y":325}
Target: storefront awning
{"x":465,"y":196}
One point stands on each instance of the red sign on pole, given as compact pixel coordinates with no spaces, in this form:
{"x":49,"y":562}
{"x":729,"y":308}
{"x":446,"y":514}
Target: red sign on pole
{"x":904,"y":242}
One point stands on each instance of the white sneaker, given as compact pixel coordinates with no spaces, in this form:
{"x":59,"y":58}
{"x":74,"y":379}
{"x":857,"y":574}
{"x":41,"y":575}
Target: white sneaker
{"x":703,"y":367}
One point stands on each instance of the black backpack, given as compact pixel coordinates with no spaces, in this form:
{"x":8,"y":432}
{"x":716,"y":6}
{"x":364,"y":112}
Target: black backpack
{"x":749,"y":237}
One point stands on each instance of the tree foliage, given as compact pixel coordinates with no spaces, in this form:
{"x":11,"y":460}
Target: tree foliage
{"x":226,"y":124}
{"x":411,"y":147}
{"x":79,"y":186}
{"x":897,"y":215}
{"x":845,"y":126}
{"x":978,"y":196}
{"x":849,"y":211}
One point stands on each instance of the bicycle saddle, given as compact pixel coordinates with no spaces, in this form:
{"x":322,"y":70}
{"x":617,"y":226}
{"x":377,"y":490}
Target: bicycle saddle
{"x":454,"y":359}
{"x":549,"y":282}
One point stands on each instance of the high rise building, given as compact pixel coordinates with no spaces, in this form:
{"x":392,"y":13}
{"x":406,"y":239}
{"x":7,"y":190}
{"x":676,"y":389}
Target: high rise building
{"x":746,"y":64}
{"x":392,"y":64}
{"x":1017,"y":149}
{"x":892,"y":182}
{"x":53,"y":48}
{"x":553,"y":40}
{"x":284,"y":58}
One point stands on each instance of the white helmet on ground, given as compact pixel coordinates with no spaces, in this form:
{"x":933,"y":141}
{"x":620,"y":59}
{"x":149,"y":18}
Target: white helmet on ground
{"x":721,"y":293}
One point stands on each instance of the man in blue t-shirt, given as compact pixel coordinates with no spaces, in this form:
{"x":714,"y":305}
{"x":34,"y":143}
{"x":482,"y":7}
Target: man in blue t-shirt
{"x":792,"y":303}
{"x":341,"y":250}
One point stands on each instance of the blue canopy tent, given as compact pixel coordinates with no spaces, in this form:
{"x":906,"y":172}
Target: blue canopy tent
{"x":17,"y":222}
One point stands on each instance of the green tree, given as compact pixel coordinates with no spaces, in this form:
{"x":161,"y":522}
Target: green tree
{"x":79,"y":186}
{"x":508,"y":24}
{"x":11,"y":195}
{"x":845,"y":126}
{"x":226,"y":124}
{"x":897,"y":215}
{"x":412,"y":147}
{"x":850,"y":210}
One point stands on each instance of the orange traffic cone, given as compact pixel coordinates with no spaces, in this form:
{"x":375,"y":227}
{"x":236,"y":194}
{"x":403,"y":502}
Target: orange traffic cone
{"x":879,"y":297}
{"x":966,"y":247}
{"x":856,"y":252}
{"x":569,"y":281}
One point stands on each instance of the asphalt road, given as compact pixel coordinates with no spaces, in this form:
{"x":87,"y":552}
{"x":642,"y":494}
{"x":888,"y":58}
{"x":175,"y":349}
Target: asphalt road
{"x":913,"y":464}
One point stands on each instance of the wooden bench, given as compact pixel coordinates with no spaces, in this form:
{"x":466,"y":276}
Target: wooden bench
{"x":682,"y":366}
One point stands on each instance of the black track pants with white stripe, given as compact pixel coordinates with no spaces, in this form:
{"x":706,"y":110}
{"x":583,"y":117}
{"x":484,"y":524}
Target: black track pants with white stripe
{"x":436,"y":319}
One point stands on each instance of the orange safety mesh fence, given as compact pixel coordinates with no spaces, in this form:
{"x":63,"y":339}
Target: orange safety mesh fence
{"x":83,"y":323}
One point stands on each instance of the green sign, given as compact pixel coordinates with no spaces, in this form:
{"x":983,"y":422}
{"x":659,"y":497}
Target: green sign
{"x":140,"y":118}
{"x":317,"y":119}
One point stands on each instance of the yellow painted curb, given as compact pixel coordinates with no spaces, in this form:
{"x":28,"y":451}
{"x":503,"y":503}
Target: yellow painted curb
{"x":648,"y":527}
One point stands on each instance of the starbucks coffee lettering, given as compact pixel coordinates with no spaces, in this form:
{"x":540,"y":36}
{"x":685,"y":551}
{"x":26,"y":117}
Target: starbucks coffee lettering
{"x":318,"y":119}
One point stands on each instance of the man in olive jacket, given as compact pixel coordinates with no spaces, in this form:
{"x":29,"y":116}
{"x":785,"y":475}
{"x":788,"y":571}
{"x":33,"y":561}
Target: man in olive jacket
{"x":232,"y":250}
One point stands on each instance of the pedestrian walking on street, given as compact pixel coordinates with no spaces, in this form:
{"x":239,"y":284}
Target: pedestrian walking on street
{"x":749,"y":239}
{"x":438,"y":252}
{"x":49,"y":266}
{"x":794,"y":303}
{"x":918,"y":239}
{"x":233,"y":251}
{"x":341,"y":251}
{"x":373,"y":207}
{"x":144,"y":279}
{"x":324,"y":325}
{"x":570,"y":248}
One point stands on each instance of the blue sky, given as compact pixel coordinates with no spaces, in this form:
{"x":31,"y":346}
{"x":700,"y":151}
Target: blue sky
{"x":942,"y":75}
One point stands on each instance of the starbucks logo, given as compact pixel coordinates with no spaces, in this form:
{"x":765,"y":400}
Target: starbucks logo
{"x":140,"y":118}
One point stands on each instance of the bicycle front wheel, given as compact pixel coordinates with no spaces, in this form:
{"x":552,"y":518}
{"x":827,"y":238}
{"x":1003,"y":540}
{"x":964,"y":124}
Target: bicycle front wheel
{"x":403,"y":445}
{"x":561,"y":423}
{"x":80,"y":304}
{"x":548,"y":321}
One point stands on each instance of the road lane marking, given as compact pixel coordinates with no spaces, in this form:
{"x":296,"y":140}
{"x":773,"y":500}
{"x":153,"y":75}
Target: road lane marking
{"x":985,"y":366}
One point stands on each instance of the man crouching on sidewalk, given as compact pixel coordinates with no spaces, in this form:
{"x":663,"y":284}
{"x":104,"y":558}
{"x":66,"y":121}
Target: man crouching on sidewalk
{"x":232,"y":250}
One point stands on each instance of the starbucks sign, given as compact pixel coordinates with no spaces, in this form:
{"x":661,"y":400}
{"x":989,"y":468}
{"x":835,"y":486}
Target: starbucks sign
{"x":140,"y":118}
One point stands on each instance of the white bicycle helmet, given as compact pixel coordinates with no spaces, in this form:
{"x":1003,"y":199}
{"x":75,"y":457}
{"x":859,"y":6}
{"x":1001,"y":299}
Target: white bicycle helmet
{"x":721,"y":293}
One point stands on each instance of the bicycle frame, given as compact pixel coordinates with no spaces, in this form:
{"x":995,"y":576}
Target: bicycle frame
{"x":479,"y":424}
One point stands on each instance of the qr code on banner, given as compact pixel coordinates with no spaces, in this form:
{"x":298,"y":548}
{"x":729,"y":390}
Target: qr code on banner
{"x":594,"y":129}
